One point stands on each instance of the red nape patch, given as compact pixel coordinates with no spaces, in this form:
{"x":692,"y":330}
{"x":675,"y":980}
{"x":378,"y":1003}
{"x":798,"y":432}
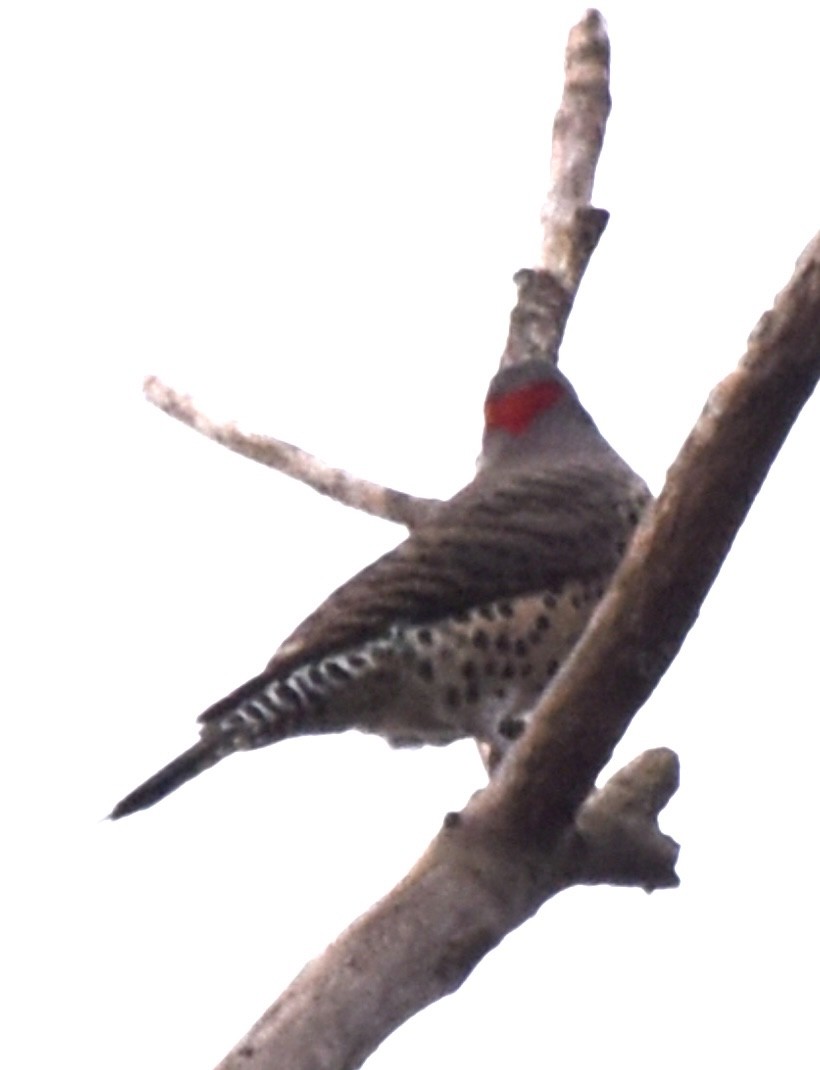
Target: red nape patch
{"x":516,"y":410}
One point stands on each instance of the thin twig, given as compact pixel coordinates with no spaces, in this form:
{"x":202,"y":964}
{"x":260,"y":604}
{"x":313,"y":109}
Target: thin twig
{"x":292,"y":461}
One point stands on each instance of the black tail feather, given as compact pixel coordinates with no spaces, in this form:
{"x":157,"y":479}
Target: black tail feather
{"x":203,"y":754}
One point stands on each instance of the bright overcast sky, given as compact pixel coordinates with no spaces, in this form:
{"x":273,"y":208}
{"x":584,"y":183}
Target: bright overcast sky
{"x":309,"y":216}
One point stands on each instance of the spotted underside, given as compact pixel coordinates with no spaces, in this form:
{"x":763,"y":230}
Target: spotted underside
{"x":476,"y":674}
{"x":411,"y":650}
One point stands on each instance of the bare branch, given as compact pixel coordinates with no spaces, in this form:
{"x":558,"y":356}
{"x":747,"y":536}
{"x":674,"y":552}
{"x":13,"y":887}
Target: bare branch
{"x":292,"y":461}
{"x":620,"y":842}
{"x":529,"y":833}
{"x":577,"y":140}
{"x":424,"y":939}
{"x":571,"y":226}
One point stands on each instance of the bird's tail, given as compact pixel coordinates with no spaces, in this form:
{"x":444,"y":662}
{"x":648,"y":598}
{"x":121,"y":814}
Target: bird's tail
{"x":264,"y":710}
{"x":204,"y":753}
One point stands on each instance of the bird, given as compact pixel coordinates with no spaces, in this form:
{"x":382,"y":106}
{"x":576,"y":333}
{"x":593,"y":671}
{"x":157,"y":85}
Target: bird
{"x":457,"y":631}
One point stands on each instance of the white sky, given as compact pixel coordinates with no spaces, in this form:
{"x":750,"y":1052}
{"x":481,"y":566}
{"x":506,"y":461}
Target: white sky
{"x":309,"y":215}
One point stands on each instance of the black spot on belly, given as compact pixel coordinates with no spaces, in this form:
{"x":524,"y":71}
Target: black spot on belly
{"x":480,"y":639}
{"x":426,"y":669}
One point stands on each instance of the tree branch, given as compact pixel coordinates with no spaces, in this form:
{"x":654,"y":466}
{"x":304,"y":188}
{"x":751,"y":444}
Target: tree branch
{"x":571,"y":226}
{"x":426,"y":936}
{"x":530,"y":834}
{"x":292,"y":461}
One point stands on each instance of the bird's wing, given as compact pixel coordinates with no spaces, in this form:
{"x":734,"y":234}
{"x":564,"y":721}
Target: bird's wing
{"x":527,"y":536}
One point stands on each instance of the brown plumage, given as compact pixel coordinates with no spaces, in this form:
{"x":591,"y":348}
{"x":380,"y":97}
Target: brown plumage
{"x":457,"y":631}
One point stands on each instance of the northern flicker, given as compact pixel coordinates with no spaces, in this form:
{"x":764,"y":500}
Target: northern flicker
{"x":458,"y":630}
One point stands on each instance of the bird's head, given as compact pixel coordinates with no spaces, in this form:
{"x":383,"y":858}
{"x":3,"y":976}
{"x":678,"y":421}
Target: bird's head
{"x":532,"y":412}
